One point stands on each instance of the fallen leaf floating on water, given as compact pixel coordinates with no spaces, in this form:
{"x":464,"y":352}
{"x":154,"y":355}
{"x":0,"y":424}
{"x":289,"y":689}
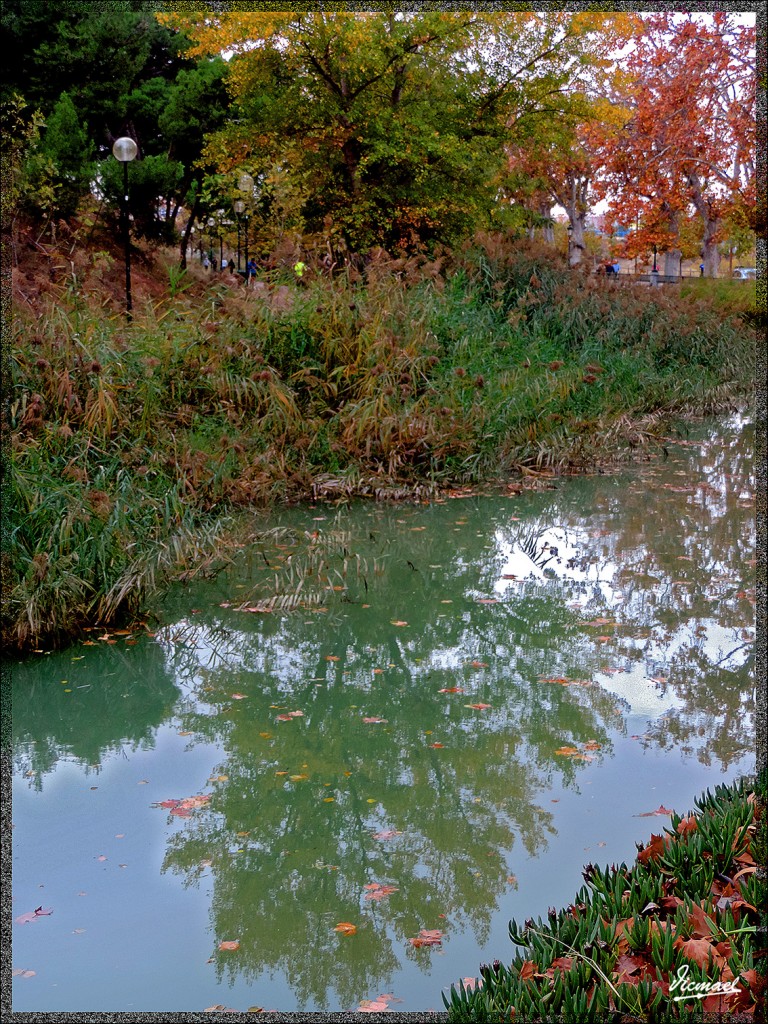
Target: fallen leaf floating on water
{"x":427,"y":937}
{"x":379,"y":1005}
{"x":661,"y":810}
{"x":389,"y":833}
{"x":290,"y":715}
{"x":238,"y":696}
{"x":435,"y":746}
{"x":479,"y":707}
{"x":378,"y":892}
{"x":182,"y":808}
{"x":452,"y":689}
{"x":399,"y":623}
{"x":374,"y":720}
{"x":567,"y":751}
{"x":479,"y":664}
{"x":34,"y":914}
{"x":346,"y":928}
{"x":487,"y":600}
{"x":230,"y":945}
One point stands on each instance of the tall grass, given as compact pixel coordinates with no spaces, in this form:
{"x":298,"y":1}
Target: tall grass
{"x":131,"y":439}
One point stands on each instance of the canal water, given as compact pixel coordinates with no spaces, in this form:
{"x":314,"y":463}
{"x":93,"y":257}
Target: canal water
{"x":382,"y":723}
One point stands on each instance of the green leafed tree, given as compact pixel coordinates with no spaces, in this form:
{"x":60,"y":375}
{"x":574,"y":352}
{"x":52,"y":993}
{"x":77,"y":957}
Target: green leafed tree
{"x":392,"y":122}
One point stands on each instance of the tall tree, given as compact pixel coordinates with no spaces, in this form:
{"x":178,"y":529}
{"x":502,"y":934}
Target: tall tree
{"x":692,"y":134}
{"x":393,"y":121}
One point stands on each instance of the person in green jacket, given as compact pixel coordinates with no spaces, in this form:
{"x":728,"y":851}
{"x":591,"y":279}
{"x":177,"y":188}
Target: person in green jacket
{"x":299,"y":269}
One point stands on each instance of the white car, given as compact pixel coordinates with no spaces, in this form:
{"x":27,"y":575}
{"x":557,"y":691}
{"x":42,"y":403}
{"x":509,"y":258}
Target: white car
{"x":745,"y":273}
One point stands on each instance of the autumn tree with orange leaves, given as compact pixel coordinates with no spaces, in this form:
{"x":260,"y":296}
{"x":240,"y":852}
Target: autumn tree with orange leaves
{"x":691,"y":136}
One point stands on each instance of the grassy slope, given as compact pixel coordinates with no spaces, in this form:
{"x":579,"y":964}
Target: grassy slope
{"x":130,"y":439}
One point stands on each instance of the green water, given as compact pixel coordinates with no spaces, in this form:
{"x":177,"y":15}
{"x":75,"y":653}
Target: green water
{"x":611,"y":614}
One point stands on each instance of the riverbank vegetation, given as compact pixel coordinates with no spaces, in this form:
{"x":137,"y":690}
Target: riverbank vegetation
{"x":431,"y":341}
{"x":132,"y":438}
{"x":681,"y":922}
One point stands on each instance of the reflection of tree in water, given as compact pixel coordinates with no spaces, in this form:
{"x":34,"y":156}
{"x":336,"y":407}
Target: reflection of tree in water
{"x":117,"y":700}
{"x":451,"y":857}
{"x":673,"y":587}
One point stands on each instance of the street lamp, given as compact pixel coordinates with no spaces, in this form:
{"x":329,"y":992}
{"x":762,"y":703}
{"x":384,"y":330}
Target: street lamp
{"x":245,"y":185}
{"x":219,"y":225}
{"x":211,"y":223}
{"x":655,"y":268}
{"x":124,"y":150}
{"x":239,"y":206}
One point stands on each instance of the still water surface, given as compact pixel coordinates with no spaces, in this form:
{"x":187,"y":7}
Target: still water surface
{"x":465,"y":702}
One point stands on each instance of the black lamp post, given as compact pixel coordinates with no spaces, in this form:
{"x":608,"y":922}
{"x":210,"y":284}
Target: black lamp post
{"x":211,"y":223}
{"x":245,"y":185}
{"x":124,"y":150}
{"x":239,"y":207}
{"x":219,"y":226}
{"x":655,"y":268}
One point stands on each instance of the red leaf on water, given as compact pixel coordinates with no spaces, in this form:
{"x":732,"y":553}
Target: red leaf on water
{"x":377,"y":891}
{"x":427,"y":937}
{"x":230,"y":945}
{"x":435,"y":746}
{"x":34,"y":914}
{"x":387,"y":834}
{"x":452,"y":689}
{"x":374,"y":720}
{"x":480,"y":707}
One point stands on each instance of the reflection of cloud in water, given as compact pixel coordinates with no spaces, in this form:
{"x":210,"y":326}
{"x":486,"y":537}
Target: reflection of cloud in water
{"x":552,"y":553}
{"x":642,"y":695}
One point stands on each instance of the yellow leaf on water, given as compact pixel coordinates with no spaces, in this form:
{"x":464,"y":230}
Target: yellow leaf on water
{"x":298,"y":778}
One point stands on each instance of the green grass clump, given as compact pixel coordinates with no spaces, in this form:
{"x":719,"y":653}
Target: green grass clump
{"x":131,"y":438}
{"x":687,"y":910}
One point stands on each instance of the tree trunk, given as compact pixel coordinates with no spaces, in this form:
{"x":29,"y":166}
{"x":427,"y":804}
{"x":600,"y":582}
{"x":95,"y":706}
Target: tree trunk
{"x":573,"y":199}
{"x":188,"y":230}
{"x":577,"y":247}
{"x":673,"y":255}
{"x":709,"y":250}
{"x":548,"y":230}
{"x":352,"y":165}
{"x":672,"y":258}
